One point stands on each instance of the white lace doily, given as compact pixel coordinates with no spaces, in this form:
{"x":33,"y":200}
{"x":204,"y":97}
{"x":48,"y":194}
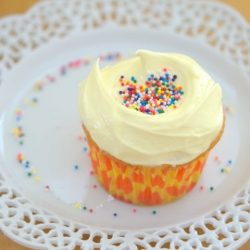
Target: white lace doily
{"x":211,"y":23}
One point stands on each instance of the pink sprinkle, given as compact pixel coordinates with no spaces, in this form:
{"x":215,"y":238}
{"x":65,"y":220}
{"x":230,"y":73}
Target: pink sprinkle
{"x":50,"y":78}
{"x":165,"y":70}
{"x":91,"y":172}
{"x":80,"y":137}
{"x":134,"y":210}
{"x":201,"y":187}
{"x":94,"y":186}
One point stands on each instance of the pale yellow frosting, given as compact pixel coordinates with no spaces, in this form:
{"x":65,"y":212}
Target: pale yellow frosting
{"x":174,"y":137}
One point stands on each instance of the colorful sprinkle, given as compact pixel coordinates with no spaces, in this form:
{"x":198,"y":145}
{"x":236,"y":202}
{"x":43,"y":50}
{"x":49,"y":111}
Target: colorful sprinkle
{"x":154,"y":212}
{"x":50,"y":78}
{"x":76,"y":167}
{"x":34,"y":101}
{"x":134,"y":210}
{"x":227,"y":170}
{"x":230,"y":162}
{"x":20,"y":157}
{"x":211,"y":188}
{"x":77,"y":205}
{"x":115,"y":214}
{"x":111,"y":56}
{"x":201,"y":187}
{"x":158,"y":94}
{"x":37,"y":179}
{"x":38,"y":85}
{"x":91,"y":172}
{"x":80,"y":137}
{"x":84,"y":208}
{"x":85,"y":149}
{"x":222,"y":170}
{"x":90,"y":210}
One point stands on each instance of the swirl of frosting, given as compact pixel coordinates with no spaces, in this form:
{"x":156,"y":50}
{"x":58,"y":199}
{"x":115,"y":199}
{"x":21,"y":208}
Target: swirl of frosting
{"x":175,"y":137}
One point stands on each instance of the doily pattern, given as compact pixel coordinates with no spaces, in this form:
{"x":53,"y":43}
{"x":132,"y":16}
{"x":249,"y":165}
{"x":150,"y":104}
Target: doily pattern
{"x":212,"y":23}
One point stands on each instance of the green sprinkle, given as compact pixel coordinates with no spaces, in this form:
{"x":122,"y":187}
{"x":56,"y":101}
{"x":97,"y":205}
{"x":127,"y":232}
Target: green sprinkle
{"x":21,"y":143}
{"x":29,"y":174}
{"x":154,"y":212}
{"x":222,"y":170}
{"x":84,"y":208}
{"x":211,"y":188}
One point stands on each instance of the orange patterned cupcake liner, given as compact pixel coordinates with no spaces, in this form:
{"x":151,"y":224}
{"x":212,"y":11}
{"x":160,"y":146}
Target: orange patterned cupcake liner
{"x":144,"y":185}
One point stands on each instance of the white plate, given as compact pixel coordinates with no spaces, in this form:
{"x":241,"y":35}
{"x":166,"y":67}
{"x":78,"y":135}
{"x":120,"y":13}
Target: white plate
{"x":51,"y":127}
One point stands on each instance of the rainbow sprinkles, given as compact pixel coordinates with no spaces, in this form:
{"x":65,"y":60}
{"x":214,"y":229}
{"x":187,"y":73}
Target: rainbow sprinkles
{"x":156,"y":96}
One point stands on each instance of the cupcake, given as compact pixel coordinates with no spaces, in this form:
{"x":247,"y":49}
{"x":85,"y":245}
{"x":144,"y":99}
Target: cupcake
{"x":150,"y":122}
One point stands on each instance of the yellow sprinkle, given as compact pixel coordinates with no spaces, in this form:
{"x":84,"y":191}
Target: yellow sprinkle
{"x":37,"y":179}
{"x":17,"y":111}
{"x":77,"y":206}
{"x":231,"y":109}
{"x":33,"y":170}
{"x":227,"y":170}
{"x":33,"y":103}
{"x":127,"y":80}
{"x":25,"y":100}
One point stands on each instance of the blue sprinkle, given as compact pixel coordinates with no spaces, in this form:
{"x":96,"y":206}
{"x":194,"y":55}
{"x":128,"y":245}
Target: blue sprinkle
{"x":173,"y":86}
{"x":115,"y":214}
{"x":175,"y":76}
{"x":130,"y":89}
{"x":230,"y":162}
{"x":85,"y":149}
{"x":173,"y":79}
{"x":149,"y":78}
{"x":122,"y":76}
{"x":18,"y":118}
{"x":166,"y":74}
{"x":152,"y":75}
{"x":132,"y":78}
{"x":27,"y":166}
{"x":124,"y":101}
{"x":120,"y":92}
{"x":76,"y":167}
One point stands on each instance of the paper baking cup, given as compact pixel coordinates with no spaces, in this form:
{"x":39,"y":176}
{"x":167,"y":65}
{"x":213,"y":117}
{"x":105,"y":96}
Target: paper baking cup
{"x":143,"y":185}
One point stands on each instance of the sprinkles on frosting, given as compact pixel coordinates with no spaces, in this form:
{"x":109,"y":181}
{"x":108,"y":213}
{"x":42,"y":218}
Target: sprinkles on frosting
{"x":158,"y":94}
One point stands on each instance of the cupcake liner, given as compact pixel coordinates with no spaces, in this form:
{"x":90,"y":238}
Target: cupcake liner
{"x":144,"y":185}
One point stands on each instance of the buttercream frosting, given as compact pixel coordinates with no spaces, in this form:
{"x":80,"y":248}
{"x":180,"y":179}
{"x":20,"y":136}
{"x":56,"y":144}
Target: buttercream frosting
{"x":174,"y":137}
